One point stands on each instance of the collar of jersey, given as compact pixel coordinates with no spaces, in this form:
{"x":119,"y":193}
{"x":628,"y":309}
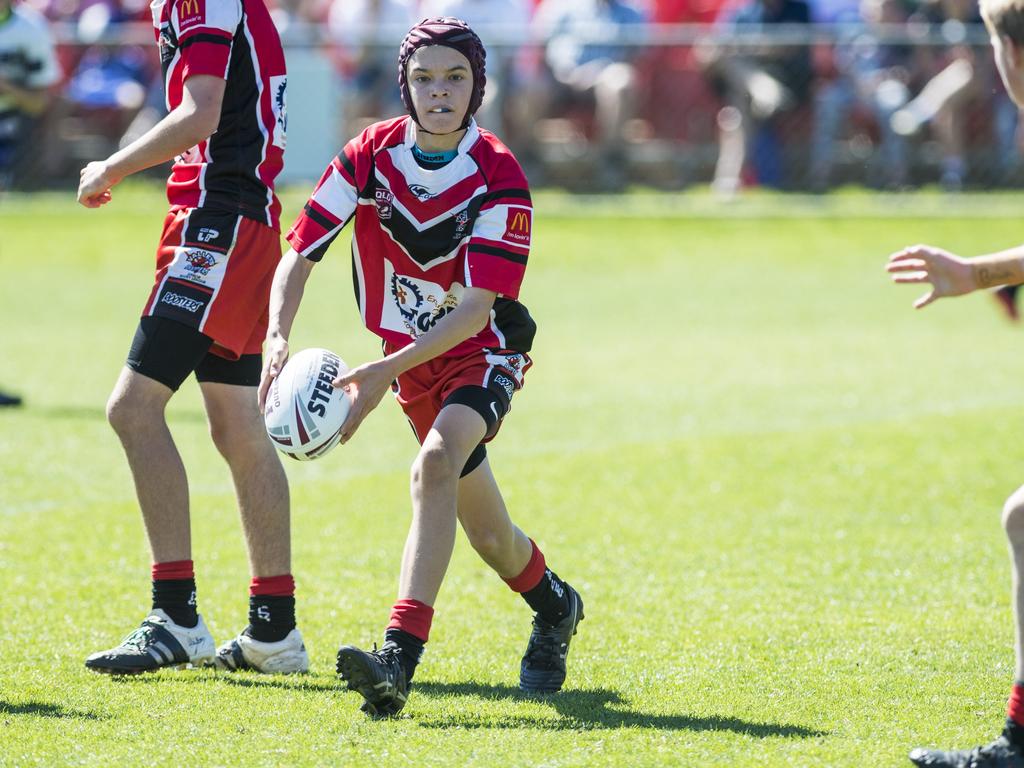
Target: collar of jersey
{"x":472,"y":134}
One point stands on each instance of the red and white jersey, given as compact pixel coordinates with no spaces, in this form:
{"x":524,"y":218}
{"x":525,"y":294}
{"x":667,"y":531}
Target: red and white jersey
{"x":234,"y":169}
{"x":423,"y":235}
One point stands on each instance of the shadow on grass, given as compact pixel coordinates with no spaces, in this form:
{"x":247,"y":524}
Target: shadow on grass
{"x":586,"y":709}
{"x":43,"y":709}
{"x":299,"y":683}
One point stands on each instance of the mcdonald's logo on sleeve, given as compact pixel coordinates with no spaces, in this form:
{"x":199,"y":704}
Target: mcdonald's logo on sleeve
{"x":191,"y":12}
{"x":518,"y":225}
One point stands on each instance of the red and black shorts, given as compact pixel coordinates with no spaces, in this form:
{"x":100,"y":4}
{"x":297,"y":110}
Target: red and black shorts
{"x":213,"y":275}
{"x":484,"y":381}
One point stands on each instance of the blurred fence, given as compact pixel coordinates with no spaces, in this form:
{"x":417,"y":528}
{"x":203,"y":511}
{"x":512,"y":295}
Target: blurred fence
{"x":797,"y":107}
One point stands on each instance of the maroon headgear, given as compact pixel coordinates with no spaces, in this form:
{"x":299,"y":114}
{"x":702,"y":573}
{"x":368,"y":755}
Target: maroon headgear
{"x":456,"y":34}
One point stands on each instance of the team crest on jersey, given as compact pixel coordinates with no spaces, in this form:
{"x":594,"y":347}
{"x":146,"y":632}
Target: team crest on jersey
{"x":461,"y":222}
{"x":385,"y":206}
{"x":190,"y":13}
{"x":419,"y":303}
{"x":407,"y":296}
{"x":422,"y":193}
{"x":518,"y":225}
{"x":199,"y":263}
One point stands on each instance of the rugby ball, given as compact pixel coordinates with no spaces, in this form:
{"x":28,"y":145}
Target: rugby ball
{"x":304,"y":413}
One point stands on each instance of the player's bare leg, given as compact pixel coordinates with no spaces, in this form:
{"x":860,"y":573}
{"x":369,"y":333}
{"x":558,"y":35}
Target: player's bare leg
{"x":173,"y":634}
{"x":488,"y":527}
{"x":434,"y":487}
{"x":515,"y":558}
{"x":136,"y":411}
{"x":1013,"y":524}
{"x":382,"y":678}
{"x":1007,"y":751}
{"x":271,"y":642}
{"x":261,"y":485}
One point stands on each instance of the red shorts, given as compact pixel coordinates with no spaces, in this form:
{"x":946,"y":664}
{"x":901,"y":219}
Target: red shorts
{"x":421,"y":391}
{"x":213,"y":273}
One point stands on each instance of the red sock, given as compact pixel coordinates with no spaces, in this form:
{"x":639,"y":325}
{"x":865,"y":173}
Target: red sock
{"x":175,"y":569}
{"x":532,"y":573}
{"x":413,"y":617}
{"x":273,"y":586}
{"x":1015,"y":707}
{"x":174,"y":591}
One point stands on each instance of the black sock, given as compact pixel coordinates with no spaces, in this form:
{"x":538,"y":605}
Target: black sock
{"x":177,"y":598}
{"x":271,"y":617}
{"x":410,"y":648}
{"x":1015,"y":733}
{"x":550,"y":598}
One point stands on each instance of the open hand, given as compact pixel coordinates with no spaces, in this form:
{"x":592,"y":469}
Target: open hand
{"x":948,"y":274}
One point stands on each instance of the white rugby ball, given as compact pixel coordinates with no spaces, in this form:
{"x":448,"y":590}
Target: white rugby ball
{"x":304,"y":413}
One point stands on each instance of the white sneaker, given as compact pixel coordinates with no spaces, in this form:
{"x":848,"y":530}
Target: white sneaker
{"x":283,"y":657}
{"x":157,"y":643}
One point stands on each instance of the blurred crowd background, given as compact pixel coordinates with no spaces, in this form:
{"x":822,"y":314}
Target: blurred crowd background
{"x":592,"y":95}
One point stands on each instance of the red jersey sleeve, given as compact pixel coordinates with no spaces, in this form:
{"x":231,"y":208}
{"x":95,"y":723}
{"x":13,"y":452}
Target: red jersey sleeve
{"x":333,"y":202}
{"x":205,"y":30}
{"x":500,"y":244}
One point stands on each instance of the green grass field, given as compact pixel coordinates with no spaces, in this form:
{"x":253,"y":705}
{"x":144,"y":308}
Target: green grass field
{"x":777,"y":486}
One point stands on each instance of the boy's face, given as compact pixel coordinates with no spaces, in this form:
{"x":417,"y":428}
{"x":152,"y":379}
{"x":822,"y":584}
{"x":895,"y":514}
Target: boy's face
{"x":441,"y":86}
{"x":1009,"y":61}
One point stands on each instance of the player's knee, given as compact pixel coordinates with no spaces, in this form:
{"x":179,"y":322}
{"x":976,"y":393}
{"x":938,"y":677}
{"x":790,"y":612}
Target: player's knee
{"x":434,"y":464}
{"x":1013,"y":518}
{"x":236,"y":440}
{"x":128,"y":413}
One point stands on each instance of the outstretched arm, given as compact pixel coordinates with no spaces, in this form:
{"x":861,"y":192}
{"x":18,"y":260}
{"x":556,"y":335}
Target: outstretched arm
{"x":952,"y":275}
{"x":194,"y":120}
{"x":285,"y":296}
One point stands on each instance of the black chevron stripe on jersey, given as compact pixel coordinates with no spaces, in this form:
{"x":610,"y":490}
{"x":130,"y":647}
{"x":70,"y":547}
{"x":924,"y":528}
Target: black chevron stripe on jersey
{"x":428,"y":245}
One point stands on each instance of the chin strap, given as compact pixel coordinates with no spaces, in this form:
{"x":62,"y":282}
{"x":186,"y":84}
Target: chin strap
{"x":465,"y":125}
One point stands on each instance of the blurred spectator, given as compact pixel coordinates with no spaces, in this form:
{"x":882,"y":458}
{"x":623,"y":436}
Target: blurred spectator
{"x":759,"y":83}
{"x":107,"y":88}
{"x":685,"y":11}
{"x":502,"y":25}
{"x":588,"y":63}
{"x":368,"y":32}
{"x":28,"y":71}
{"x":962,"y":76}
{"x":298,"y":21}
{"x":870,"y":74}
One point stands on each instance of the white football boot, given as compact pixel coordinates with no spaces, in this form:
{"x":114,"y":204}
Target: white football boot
{"x":284,"y":657}
{"x":157,"y":643}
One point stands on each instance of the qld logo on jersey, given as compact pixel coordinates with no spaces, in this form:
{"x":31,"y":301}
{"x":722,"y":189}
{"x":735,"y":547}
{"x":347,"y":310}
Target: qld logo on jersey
{"x":518,"y":225}
{"x":415,"y":306}
{"x":385,"y":203}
